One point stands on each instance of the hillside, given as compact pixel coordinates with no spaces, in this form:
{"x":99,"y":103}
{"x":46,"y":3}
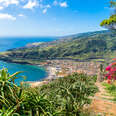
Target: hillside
{"x":86,"y":46}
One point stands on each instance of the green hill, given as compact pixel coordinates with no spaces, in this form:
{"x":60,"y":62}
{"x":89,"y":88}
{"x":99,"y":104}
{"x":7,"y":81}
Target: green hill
{"x":86,"y":46}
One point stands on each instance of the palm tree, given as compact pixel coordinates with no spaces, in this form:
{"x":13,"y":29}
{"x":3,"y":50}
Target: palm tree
{"x":37,"y":104}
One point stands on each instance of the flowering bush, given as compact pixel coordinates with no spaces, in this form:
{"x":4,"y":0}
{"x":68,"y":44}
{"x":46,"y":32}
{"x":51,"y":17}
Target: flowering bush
{"x":111,"y":71}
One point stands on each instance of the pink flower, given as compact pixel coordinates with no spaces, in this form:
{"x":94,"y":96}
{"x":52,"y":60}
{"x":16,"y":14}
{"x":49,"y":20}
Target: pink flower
{"x":109,"y":77}
{"x":108,"y":68}
{"x":111,"y":72}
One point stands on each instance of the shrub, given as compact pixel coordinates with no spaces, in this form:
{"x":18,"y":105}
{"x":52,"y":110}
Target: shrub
{"x":111,"y":72}
{"x":62,"y":97}
{"x":111,"y":89}
{"x":70,"y":94}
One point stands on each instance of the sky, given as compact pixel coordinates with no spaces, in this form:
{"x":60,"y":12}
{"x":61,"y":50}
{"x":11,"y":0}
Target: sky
{"x":51,"y":17}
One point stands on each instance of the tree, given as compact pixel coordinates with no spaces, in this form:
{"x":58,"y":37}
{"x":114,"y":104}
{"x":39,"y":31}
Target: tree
{"x":110,"y":23}
{"x":112,"y":4}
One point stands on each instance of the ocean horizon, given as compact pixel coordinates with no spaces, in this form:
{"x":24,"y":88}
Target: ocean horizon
{"x":32,"y":72}
{"x":16,"y":42}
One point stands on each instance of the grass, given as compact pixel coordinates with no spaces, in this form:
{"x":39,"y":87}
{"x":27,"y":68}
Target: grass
{"x":111,"y":89}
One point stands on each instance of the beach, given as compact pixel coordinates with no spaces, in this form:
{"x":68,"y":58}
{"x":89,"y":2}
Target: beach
{"x":61,"y":68}
{"x":51,"y":75}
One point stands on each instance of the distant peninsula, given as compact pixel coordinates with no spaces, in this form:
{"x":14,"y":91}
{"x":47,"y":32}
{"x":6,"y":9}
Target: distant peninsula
{"x":81,"y":47}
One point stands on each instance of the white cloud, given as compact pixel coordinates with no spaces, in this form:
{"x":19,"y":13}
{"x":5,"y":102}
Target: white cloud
{"x":45,"y":11}
{"x":1,"y":8}
{"x":44,"y":8}
{"x":7,"y":16}
{"x":47,"y":6}
{"x":6,"y":3}
{"x":21,"y":15}
{"x":30,"y":5}
{"x":55,"y":3}
{"x":63,"y":4}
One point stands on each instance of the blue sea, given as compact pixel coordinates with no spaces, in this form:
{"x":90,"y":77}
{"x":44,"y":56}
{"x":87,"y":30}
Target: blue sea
{"x":32,"y":73}
{"x":15,"y":42}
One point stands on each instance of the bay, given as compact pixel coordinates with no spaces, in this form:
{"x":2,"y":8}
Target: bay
{"x":32,"y":73}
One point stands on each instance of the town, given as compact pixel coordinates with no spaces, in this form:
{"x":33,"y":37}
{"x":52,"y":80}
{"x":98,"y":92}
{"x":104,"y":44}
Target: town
{"x":61,"y":68}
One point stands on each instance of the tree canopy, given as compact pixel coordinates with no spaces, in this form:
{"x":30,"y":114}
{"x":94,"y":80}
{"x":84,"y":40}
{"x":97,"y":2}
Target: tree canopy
{"x":110,"y":23}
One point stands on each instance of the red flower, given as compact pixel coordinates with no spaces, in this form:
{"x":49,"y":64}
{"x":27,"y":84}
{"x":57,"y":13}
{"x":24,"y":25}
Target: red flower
{"x":111,"y":72}
{"x":108,"y":68}
{"x":109,"y":77}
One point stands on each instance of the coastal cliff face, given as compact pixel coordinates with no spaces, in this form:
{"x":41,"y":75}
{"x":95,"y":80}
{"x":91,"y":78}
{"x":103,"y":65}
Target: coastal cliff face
{"x":87,"y":46}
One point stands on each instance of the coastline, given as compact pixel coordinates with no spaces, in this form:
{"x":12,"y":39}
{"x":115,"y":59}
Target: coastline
{"x":59,"y":68}
{"x":51,"y":75}
{"x":45,"y":80}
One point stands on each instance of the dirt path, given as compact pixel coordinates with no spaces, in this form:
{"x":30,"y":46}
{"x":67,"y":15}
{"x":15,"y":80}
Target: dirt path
{"x":102,"y":103}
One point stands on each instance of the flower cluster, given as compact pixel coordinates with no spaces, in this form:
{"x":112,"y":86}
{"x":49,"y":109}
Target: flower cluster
{"x":111,"y":71}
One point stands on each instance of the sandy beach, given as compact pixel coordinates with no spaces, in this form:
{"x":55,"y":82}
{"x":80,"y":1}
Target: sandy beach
{"x":51,"y":72}
{"x":62,"y":68}
{"x":36,"y":84}
{"x":51,"y":75}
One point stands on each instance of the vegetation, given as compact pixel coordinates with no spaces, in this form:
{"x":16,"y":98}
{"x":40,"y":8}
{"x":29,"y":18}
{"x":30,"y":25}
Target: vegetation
{"x":111,"y":77}
{"x":111,"y":89}
{"x":111,"y":22}
{"x":111,"y":71}
{"x":62,"y":97}
{"x":96,"y":45}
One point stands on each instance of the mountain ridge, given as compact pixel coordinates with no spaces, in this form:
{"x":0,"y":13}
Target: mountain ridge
{"x":85,"y":46}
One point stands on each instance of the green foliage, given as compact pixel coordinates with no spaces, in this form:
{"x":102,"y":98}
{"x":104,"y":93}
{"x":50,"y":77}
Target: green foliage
{"x":112,"y":4}
{"x":70,"y":94}
{"x":111,"y":88}
{"x":37,"y":103}
{"x":96,"y":45}
{"x":10,"y":94}
{"x":109,"y":22}
{"x":62,"y":97}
